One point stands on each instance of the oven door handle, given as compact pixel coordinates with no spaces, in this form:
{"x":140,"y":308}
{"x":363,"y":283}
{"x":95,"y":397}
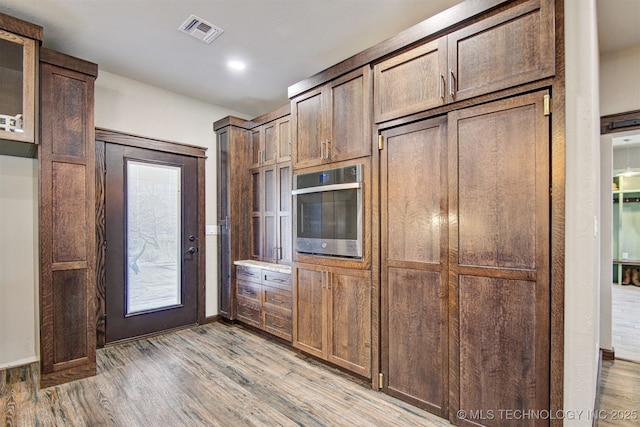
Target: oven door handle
{"x":332,"y":187}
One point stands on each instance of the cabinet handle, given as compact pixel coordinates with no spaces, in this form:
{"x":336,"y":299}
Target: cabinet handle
{"x":452,"y":91}
{"x":322,"y":145}
{"x":277,"y":325}
{"x":244,"y":313}
{"x":249,"y":293}
{"x":442,"y":83}
{"x":276,"y":300}
{"x":328,"y":149}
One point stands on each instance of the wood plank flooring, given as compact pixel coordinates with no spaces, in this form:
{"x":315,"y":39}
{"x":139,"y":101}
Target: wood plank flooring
{"x":625,"y":313}
{"x":619,"y":393}
{"x":210,"y":375}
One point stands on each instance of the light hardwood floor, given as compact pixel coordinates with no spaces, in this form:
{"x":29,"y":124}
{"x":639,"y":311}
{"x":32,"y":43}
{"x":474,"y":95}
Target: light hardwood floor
{"x":625,"y":307}
{"x":213,"y":375}
{"x":619,"y":394}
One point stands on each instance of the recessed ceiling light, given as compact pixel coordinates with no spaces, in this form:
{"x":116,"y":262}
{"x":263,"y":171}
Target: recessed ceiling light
{"x":236,"y":65}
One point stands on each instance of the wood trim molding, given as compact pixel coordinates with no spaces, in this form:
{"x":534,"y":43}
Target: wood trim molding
{"x":608,"y":354}
{"x":138,"y":141}
{"x":273,"y":115}
{"x":20,"y":27}
{"x":69,"y":62}
{"x":212,"y":319}
{"x":233,"y":121}
{"x":620,"y":122}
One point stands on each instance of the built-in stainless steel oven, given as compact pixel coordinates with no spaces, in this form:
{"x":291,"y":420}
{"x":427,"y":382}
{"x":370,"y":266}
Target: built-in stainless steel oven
{"x":329,"y":212}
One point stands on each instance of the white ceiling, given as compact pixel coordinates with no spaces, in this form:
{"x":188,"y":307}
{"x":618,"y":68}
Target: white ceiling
{"x":282,"y":41}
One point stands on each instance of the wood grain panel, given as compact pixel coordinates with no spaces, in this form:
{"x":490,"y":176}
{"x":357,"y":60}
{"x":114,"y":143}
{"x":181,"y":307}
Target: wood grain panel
{"x":308,"y":129}
{"x":413,"y":199}
{"x":347,"y":113}
{"x":350,"y":317}
{"x":70,"y":315}
{"x":499,"y":340}
{"x":101,"y":236}
{"x":309,"y":311}
{"x":271,"y":143}
{"x":497,"y":179}
{"x":69,"y":120}
{"x":417,"y":347}
{"x":509,"y":48}
{"x":411,"y":82}
{"x":284,"y":139}
{"x":69,"y":192}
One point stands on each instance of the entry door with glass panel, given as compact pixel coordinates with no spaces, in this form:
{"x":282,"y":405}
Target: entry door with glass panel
{"x":151,"y":258}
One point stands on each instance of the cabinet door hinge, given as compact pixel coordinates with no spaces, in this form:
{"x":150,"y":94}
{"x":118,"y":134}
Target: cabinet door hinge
{"x":380,"y":142}
{"x":548,"y":105}
{"x":380,"y":380}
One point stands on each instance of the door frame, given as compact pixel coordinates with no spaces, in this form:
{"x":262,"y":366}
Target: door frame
{"x":103,"y":136}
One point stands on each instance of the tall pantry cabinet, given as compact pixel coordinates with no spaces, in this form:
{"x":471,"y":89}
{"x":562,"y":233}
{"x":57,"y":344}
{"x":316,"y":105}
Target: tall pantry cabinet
{"x":67,"y":218}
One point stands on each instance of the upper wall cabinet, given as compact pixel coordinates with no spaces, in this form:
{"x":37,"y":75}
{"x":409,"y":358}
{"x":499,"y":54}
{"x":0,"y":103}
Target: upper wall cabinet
{"x":512,"y":47}
{"x":18,"y":78}
{"x":271,"y":142}
{"x":331,"y":123}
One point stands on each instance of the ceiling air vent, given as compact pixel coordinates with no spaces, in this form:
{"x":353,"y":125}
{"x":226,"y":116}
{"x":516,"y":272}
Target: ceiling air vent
{"x":201,"y":29}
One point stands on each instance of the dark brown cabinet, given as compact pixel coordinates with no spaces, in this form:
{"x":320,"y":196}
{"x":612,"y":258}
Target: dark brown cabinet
{"x":67,"y":219}
{"x":414,"y":264}
{"x":332,"y":123}
{"x":264,"y":298}
{"x":19,"y":42}
{"x":510,"y":48}
{"x":333,"y":315}
{"x":271,"y":195}
{"x":232,"y":155}
{"x":500,"y":257}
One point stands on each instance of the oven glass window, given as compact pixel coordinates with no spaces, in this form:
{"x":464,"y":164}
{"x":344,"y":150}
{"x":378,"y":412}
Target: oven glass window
{"x":328,"y":215}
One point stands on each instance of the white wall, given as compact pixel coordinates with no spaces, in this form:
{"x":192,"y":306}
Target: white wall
{"x":18,"y":261}
{"x":619,"y":82}
{"x":582,"y":241}
{"x":133,"y":107}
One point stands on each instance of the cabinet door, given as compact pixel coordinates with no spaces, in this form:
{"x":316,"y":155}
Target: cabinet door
{"x":308,"y":129}
{"x":284,"y":139}
{"x":513,"y":47}
{"x":349,"y":320}
{"x":348,"y":134}
{"x":257,"y":145}
{"x":414,"y":274}
{"x":309,"y":318}
{"x":225,"y":288}
{"x":17,"y":88}
{"x":499,"y":258}
{"x":271,"y":143}
{"x":269,"y":214}
{"x":257,"y":203}
{"x":284,"y":232}
{"x":411,"y":82}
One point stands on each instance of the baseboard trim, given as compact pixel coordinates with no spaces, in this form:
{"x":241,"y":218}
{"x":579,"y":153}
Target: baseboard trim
{"x":211,"y":319}
{"x":29,"y":373}
{"x":608,"y":354}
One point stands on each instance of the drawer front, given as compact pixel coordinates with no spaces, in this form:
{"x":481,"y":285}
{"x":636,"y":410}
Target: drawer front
{"x":276,"y":280}
{"x":249,"y":313}
{"x":248,"y":274}
{"x":276,"y":299}
{"x":249,"y":291}
{"x":277,"y":325}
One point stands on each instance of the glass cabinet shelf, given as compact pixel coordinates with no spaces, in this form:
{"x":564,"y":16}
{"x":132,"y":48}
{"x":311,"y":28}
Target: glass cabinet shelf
{"x":17,"y":87}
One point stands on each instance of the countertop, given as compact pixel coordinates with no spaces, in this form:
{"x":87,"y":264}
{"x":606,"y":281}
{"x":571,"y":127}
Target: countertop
{"x":286,"y":269}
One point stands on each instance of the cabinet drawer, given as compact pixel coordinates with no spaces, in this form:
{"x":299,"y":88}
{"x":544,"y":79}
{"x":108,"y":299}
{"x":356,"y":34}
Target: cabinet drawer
{"x":248,"y":274}
{"x":278,"y":325}
{"x":277,"y":280}
{"x":277,"y":300}
{"x":249,"y":291}
{"x":249,"y":313}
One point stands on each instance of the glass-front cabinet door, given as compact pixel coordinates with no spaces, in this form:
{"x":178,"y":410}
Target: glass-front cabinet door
{"x":17,"y":87}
